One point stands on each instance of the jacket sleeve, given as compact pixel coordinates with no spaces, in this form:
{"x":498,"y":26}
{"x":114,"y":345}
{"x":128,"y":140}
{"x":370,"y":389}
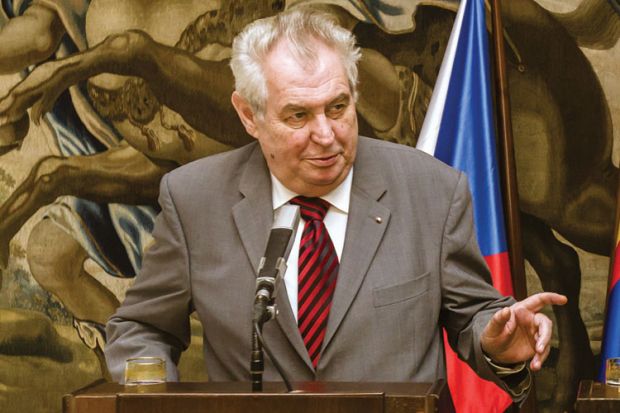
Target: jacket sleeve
{"x":154,"y":318}
{"x":468,"y":298}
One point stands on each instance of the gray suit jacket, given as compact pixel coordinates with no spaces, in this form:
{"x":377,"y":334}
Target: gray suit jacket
{"x":401,"y":278}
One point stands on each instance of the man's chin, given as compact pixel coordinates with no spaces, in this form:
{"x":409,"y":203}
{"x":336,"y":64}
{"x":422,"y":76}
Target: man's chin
{"x":324,"y":185}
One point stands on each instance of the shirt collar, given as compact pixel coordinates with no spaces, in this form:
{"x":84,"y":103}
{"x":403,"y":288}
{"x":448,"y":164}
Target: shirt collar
{"x":339,"y":197}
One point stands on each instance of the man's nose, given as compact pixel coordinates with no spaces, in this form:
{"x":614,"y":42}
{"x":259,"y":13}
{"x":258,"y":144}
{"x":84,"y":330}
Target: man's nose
{"x":322,"y":131}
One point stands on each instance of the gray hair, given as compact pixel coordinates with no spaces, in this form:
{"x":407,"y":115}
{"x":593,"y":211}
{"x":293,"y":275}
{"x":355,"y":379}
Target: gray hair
{"x":301,"y":27}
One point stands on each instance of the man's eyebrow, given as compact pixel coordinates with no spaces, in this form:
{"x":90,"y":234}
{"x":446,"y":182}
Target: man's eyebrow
{"x":293,"y":108}
{"x":341,"y":97}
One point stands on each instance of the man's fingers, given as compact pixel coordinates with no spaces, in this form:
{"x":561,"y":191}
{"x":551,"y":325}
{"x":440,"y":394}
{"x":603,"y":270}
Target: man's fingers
{"x":545,"y":329}
{"x":537,"y":301}
{"x":545,"y":353}
{"x":525,"y":318}
{"x":498,"y":322}
{"x":539,"y":358}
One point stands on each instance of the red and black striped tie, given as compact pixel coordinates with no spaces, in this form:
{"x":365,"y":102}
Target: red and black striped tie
{"x":318,"y":271}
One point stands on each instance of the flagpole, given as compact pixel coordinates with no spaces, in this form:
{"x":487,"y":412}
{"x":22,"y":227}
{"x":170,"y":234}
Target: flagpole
{"x":508,"y":173}
{"x":507,"y":157}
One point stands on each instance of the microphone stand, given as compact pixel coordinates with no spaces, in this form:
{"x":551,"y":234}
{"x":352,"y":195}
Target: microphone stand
{"x":265,"y":310}
{"x":271,"y":269}
{"x":257,"y":365}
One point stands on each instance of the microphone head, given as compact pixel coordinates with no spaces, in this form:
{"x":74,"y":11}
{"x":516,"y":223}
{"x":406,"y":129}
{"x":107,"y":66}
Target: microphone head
{"x":287,"y":216}
{"x":282,"y":235}
{"x":273,"y":264}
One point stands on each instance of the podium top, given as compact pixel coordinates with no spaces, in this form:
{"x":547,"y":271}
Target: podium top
{"x":188,"y":397}
{"x":597,"y":397}
{"x":103,"y":388}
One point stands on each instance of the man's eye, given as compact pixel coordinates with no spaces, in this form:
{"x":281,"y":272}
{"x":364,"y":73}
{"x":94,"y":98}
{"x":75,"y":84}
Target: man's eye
{"x":336,"y":110}
{"x":297,"y":119}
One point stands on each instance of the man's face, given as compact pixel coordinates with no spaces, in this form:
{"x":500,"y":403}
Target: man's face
{"x":308,"y":132}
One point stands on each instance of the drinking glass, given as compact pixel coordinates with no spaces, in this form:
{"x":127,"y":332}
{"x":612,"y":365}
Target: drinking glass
{"x":612,"y":371}
{"x":145,"y":370}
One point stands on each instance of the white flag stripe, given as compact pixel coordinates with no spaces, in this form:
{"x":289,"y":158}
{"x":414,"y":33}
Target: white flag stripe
{"x":427,"y":141}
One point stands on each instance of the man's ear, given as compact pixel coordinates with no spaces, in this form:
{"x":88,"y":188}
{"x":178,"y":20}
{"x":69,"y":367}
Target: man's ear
{"x":245,"y":112}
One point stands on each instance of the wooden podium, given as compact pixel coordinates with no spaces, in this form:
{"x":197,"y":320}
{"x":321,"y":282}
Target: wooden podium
{"x":102,"y":397}
{"x":597,"y":397}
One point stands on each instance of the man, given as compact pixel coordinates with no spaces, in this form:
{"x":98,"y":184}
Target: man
{"x":398,"y":221}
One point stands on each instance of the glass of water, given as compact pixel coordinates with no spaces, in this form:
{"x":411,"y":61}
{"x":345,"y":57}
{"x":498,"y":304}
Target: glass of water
{"x":612,"y":371}
{"x":145,"y":370}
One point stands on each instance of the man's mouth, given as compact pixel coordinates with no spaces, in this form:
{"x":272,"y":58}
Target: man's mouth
{"x":324,"y":160}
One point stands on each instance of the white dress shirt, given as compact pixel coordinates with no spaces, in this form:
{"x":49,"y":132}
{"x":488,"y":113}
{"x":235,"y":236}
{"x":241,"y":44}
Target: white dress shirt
{"x":335,"y":222}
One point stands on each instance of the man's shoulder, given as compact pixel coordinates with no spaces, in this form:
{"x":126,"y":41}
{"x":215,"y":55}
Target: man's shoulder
{"x":407,"y":177}
{"x":406,"y":158}
{"x":218,"y":172}
{"x":225,"y":160}
{"x":224,"y":164}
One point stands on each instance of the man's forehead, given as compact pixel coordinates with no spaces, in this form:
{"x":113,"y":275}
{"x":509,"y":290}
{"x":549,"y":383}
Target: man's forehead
{"x":285,"y":99}
{"x":283,"y":60}
{"x":293,"y":82}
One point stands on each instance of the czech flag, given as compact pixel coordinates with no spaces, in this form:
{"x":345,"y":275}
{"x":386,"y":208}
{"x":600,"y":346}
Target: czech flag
{"x":459,"y":130}
{"x":611,"y":333}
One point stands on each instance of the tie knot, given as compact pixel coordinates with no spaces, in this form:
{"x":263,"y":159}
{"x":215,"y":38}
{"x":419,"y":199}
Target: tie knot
{"x":311,"y":208}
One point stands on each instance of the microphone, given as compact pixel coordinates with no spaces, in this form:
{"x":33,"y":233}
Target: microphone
{"x":272,"y":265}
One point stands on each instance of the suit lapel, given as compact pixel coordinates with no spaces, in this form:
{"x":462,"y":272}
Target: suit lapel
{"x":366,"y":225}
{"x":253,"y":216}
{"x":288,"y":324}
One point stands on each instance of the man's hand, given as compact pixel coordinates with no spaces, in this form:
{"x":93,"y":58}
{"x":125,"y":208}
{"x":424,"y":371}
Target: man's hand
{"x":519,"y":332}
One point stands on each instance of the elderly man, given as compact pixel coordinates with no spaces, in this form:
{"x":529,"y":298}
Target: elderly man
{"x":396,"y":260}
